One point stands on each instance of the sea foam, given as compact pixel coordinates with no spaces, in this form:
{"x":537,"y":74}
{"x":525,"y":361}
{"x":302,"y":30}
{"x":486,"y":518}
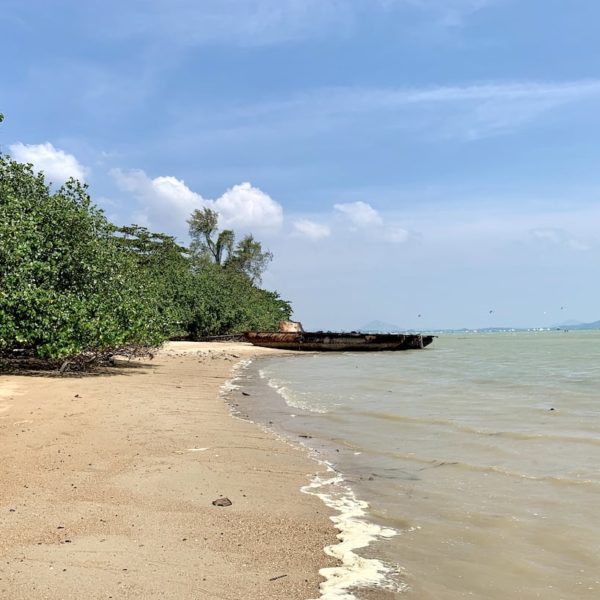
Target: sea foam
{"x":354,"y":532}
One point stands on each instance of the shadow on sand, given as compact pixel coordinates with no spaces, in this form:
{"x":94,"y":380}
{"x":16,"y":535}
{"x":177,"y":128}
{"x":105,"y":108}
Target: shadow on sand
{"x":35,"y":367}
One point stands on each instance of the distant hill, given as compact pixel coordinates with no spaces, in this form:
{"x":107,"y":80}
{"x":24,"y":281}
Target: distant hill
{"x":383,"y":327}
{"x":570,"y":323}
{"x":379,"y":327}
{"x":577,"y":326}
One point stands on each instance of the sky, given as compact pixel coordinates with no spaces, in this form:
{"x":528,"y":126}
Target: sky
{"x":427,"y":163}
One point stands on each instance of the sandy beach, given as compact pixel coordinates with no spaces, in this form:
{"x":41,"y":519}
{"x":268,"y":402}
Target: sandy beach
{"x":108,"y":483}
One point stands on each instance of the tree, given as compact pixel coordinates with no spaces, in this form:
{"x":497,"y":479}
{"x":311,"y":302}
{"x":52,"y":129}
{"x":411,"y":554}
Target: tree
{"x":226,"y":302}
{"x":207,"y":242}
{"x":211,"y":246}
{"x":250,"y":259}
{"x":164,"y":265}
{"x":67,"y":288}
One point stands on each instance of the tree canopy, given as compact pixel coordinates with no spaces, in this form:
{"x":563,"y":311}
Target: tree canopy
{"x":73,"y":284}
{"x":66,"y":286}
{"x":209,"y":245}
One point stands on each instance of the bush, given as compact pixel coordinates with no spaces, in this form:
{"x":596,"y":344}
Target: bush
{"x":225,"y":301}
{"x":67,"y":287}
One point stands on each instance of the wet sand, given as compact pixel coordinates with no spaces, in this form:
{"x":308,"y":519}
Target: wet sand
{"x":107,"y":484}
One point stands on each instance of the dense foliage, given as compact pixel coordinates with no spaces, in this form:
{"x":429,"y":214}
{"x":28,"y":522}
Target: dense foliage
{"x":72,"y":284}
{"x":165,"y":268}
{"x":225,"y":301}
{"x":209,"y":245}
{"x":66,"y":286}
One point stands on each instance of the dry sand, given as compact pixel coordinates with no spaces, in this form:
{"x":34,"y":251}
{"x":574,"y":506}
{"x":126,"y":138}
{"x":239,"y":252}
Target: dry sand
{"x":107,"y":483}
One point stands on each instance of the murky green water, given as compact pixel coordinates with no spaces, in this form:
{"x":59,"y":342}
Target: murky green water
{"x":482,"y":451}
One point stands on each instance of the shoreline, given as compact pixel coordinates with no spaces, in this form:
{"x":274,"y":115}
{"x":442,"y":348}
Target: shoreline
{"x":109,"y":479}
{"x":358,"y":573}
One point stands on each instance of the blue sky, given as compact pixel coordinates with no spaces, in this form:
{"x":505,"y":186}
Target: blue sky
{"x":399,"y":157}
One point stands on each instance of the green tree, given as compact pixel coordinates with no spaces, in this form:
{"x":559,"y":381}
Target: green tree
{"x":209,"y":245}
{"x":164,"y":265}
{"x":67,"y":288}
{"x":226,"y":298}
{"x":249,"y":258}
{"x":225,"y":302}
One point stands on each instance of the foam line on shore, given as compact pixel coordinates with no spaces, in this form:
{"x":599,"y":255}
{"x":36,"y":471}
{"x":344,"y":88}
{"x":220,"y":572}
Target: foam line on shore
{"x":354,"y":532}
{"x":229,"y":385}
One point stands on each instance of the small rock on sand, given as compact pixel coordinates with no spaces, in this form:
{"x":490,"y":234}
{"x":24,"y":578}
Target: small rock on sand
{"x":222,"y":502}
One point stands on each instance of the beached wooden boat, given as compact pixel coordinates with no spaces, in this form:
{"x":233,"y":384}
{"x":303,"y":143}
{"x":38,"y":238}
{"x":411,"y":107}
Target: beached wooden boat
{"x":319,"y":341}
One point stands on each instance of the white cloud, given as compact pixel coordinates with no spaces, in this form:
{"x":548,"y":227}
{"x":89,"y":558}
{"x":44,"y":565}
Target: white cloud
{"x":363,"y":216}
{"x":312,"y":230}
{"x":175,"y":192}
{"x":246,"y":206}
{"x":397,"y":234}
{"x":57,"y":164}
{"x":168,"y":201}
{"x":164,"y":203}
{"x":557,"y":237}
{"x":554,"y":236}
{"x":360,"y":214}
{"x":161,"y":195}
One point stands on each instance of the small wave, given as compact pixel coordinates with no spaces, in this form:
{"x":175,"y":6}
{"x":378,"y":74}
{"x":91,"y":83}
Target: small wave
{"x":435,"y":464}
{"x":292,"y":399}
{"x":355,"y":532}
{"x":514,"y":435}
{"x":397,"y":473}
{"x":386,"y":416}
{"x":229,"y":385}
{"x":519,"y":435}
{"x":555,"y":479}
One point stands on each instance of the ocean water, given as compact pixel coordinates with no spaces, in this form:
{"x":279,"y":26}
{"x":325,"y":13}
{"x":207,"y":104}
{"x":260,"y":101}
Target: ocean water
{"x":469,"y":469}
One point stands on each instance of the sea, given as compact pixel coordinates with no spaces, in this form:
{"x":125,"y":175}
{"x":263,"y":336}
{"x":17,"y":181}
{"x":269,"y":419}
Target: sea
{"x":469,"y":469}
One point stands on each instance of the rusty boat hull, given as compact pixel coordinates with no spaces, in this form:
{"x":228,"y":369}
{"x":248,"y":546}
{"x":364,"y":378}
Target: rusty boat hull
{"x":317,"y":341}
